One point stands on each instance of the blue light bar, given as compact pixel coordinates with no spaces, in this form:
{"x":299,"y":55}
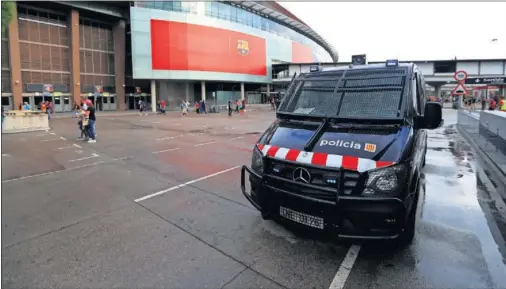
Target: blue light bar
{"x":392,"y":63}
{"x":314,"y":68}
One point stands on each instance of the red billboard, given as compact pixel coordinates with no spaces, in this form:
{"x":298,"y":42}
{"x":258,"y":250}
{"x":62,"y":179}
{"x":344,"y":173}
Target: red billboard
{"x":301,"y":53}
{"x":182,"y":46}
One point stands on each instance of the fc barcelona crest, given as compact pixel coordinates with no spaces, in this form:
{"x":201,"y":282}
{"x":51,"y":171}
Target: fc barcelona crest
{"x":243,"y":47}
{"x":48,"y":88}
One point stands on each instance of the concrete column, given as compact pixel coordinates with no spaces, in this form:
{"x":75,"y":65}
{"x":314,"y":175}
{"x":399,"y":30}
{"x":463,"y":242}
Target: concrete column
{"x":242,"y":90}
{"x":268,"y":91}
{"x":187,"y":91}
{"x":118,"y":34}
{"x":438,"y":91}
{"x":15,"y":59}
{"x":153,"y":95}
{"x":203,"y":90}
{"x":75,"y":59}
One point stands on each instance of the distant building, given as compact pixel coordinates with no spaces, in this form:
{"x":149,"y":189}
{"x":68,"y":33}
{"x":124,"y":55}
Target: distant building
{"x":116,"y":53}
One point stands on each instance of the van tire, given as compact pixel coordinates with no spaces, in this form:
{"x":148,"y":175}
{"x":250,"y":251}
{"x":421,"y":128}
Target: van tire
{"x":408,"y":234}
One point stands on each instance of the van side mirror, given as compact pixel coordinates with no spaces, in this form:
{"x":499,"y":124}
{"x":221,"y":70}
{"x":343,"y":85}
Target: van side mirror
{"x":433,"y":116}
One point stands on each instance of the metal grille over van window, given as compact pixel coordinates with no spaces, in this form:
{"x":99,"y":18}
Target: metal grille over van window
{"x":373,"y":103}
{"x":314,"y":97}
{"x":362,"y":93}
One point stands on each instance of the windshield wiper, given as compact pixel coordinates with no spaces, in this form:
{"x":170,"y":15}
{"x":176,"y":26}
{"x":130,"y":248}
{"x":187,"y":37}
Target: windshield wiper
{"x":317,"y":135}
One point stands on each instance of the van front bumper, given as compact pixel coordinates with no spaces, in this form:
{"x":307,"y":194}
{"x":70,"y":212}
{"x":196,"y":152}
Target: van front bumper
{"x":346,"y":217}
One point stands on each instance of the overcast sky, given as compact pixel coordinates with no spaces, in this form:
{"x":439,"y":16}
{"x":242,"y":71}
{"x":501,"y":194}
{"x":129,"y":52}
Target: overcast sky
{"x":408,"y":31}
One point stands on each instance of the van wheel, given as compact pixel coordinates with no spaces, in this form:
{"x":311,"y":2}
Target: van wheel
{"x":408,"y":234}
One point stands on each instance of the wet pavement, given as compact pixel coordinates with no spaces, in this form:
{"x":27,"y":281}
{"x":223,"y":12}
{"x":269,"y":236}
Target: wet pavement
{"x":156,"y":203}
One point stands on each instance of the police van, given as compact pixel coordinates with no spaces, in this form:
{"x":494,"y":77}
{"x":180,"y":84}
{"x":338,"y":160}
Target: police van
{"x":345,"y":153}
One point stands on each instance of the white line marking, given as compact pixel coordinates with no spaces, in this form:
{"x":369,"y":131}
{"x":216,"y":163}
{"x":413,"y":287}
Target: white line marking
{"x":41,"y":134}
{"x":345,"y":268}
{"x":144,"y":120}
{"x":52,"y":133}
{"x":6,"y":155}
{"x":169,"y":150}
{"x":201,"y":144}
{"x":62,"y":148}
{"x":177,"y":124}
{"x":63,"y":138}
{"x":184,"y":185}
{"x":157,"y":121}
{"x":239,"y":137}
{"x":70,"y":169}
{"x":77,"y":146}
{"x":46,"y":140}
{"x":170,"y":137}
{"x":93,"y":155}
{"x":79,"y":151}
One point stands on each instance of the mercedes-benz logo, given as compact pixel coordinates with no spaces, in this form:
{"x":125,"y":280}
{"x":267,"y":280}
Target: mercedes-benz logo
{"x":301,"y":175}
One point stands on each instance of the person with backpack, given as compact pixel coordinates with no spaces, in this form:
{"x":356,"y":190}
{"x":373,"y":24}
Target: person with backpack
{"x":492,"y":104}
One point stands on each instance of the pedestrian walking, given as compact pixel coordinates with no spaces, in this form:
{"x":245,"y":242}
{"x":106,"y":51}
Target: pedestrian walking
{"x":91,"y":123}
{"x":162,"y":106}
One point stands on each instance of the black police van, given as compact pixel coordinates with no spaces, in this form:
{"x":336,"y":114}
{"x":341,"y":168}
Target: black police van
{"x":345,"y":153}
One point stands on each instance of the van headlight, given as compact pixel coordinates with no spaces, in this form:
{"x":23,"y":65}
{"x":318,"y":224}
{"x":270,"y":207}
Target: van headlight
{"x":387,"y":182}
{"x":257,"y":162}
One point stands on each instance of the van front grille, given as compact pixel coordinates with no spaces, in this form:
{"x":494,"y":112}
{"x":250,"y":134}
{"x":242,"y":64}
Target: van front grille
{"x":345,"y":182}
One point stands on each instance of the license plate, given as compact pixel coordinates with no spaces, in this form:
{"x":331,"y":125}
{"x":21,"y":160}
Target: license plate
{"x":301,"y":218}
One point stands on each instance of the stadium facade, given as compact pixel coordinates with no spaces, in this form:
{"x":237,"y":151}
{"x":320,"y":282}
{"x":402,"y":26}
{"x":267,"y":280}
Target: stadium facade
{"x":116,"y":53}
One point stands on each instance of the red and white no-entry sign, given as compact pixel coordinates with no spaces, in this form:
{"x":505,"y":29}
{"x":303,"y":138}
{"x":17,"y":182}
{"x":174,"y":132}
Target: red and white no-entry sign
{"x":460,"y":75}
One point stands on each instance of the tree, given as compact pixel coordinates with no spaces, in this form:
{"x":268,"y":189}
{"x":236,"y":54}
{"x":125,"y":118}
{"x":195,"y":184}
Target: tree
{"x":8,"y":11}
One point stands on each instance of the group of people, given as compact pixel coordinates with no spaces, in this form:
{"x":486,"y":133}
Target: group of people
{"x":200,"y":107}
{"x":161,"y":106}
{"x":496,"y":103}
{"x":240,"y":107}
{"x":44,"y":106}
{"x":87,"y":121}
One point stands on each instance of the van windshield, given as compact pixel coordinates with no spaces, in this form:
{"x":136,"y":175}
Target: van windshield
{"x":364,"y":93}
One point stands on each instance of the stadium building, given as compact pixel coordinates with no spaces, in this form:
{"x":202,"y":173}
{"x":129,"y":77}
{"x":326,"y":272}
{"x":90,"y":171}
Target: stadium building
{"x":116,"y":53}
